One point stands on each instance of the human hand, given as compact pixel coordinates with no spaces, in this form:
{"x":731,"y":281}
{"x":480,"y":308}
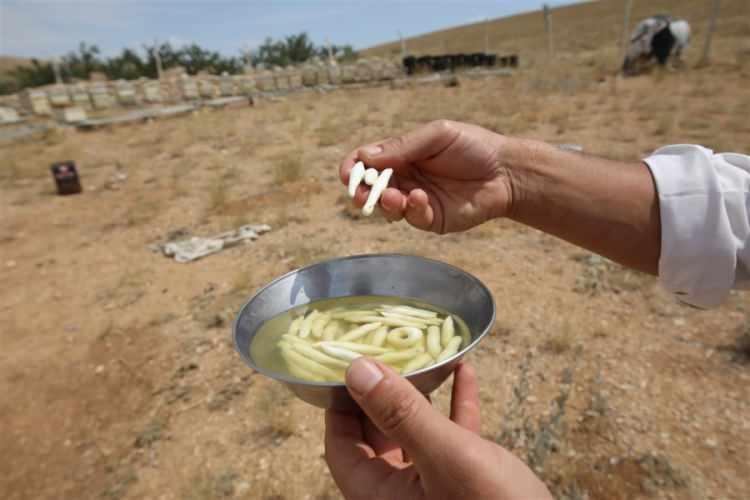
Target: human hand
{"x":448,"y":176}
{"x":404,"y":448}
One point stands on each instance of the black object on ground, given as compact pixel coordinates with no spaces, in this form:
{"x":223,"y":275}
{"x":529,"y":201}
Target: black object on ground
{"x":66,"y":177}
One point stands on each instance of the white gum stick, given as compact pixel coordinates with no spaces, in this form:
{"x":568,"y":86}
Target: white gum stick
{"x":377,"y":191}
{"x":339,"y":352}
{"x":397,"y":357}
{"x":404,"y":337}
{"x":411,"y":311}
{"x":319,"y":324}
{"x":292,"y":357}
{"x":419,"y":362}
{"x":315,"y":355}
{"x":294,"y":327}
{"x":353,"y":346}
{"x":379,"y":335}
{"x":450,"y":349}
{"x":359,"y":332}
{"x":355,"y":177}
{"x":306,"y":326}
{"x":447,"y":331}
{"x":433,"y":341}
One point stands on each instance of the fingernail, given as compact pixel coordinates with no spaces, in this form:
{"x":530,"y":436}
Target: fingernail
{"x":372,"y":150}
{"x":363,"y":375}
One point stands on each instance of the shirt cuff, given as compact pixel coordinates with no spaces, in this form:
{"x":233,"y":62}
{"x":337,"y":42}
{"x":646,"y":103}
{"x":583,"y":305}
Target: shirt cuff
{"x":698,"y":257}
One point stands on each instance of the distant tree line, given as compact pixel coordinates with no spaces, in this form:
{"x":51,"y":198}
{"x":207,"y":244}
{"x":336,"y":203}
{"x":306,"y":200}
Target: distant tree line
{"x":294,"y":49}
{"x":130,"y":65}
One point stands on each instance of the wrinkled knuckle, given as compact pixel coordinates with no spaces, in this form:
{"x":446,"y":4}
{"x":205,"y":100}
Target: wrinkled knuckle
{"x":394,"y":143}
{"x":444,"y":126}
{"x":397,"y":416}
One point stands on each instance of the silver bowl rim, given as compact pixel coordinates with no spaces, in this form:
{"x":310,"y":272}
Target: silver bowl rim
{"x":291,"y":380}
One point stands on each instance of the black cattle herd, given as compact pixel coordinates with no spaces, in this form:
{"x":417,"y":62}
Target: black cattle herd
{"x":451,"y":62}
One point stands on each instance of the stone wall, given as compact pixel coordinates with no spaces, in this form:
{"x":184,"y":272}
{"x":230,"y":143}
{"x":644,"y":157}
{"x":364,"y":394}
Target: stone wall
{"x":173,"y":89}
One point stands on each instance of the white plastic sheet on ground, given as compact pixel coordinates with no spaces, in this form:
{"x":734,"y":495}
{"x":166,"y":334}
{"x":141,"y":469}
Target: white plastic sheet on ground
{"x":196,"y":247}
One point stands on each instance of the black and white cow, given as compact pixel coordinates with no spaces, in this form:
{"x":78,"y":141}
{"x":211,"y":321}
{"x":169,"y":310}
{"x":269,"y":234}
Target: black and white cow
{"x":658,"y":37}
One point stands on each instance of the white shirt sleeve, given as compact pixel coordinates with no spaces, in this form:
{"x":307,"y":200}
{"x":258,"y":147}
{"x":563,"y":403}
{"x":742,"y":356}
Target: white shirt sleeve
{"x":704,"y":201}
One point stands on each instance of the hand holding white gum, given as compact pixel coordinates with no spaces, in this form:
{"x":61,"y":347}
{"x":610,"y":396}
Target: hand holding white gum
{"x":450,"y":176}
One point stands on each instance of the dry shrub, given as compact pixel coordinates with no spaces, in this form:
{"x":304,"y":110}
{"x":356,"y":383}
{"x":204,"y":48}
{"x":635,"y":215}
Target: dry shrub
{"x":287,"y":167}
{"x":217,"y":195}
{"x":562,"y":341}
{"x":664,"y":125}
{"x":331,"y":132}
{"x":695,"y":124}
{"x":559,"y":117}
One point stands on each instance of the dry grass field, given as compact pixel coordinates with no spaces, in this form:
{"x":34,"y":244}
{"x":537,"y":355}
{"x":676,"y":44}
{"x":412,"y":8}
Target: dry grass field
{"x":117,"y":371}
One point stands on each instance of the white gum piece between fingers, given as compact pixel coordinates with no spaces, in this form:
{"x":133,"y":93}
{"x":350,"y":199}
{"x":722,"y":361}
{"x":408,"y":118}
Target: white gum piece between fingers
{"x":411,"y":311}
{"x":359,"y":332}
{"x":399,"y":356}
{"x":447,"y":331}
{"x":403,"y":337}
{"x":319,"y":324}
{"x":417,"y":363}
{"x":292,"y":357}
{"x":339,"y":352}
{"x":376,"y":191}
{"x":353,"y":346}
{"x":311,"y":353}
{"x":371,"y":176}
{"x":294,"y":327}
{"x":434,"y":347}
{"x":355,"y":177}
{"x":306,"y":326}
{"x":450,"y":349}
{"x":379,"y":335}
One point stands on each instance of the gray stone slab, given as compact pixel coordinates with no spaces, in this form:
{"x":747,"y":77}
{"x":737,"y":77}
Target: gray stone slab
{"x":207,"y":89}
{"x":152,"y":92}
{"x":58,"y":97}
{"x":125,"y":93}
{"x":102,"y":97}
{"x":226,"y":86}
{"x":80,"y":96}
{"x":73,"y":115}
{"x":38,"y":102}
{"x":227,"y":101}
{"x":266,"y":83}
{"x":12,"y":133}
{"x":137,"y":116}
{"x":246,"y":85}
{"x":189,"y":89}
{"x":9,"y":116}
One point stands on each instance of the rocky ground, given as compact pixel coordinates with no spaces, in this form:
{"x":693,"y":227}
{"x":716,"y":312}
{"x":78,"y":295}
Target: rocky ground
{"x":119,"y":375}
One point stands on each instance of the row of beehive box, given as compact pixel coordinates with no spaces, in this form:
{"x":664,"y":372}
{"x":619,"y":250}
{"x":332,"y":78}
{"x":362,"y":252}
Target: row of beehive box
{"x":102,"y":95}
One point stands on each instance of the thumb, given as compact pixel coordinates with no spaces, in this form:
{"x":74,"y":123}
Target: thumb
{"x":420,"y":144}
{"x":398,"y":409}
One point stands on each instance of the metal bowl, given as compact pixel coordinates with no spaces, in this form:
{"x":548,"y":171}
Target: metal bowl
{"x":406,"y":276}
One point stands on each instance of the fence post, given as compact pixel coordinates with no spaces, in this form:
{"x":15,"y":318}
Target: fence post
{"x":548,"y":28}
{"x":626,"y":28}
{"x":56,"y":70}
{"x":710,"y":35}
{"x":331,"y":57}
{"x":157,"y":58}
{"x":486,"y":35}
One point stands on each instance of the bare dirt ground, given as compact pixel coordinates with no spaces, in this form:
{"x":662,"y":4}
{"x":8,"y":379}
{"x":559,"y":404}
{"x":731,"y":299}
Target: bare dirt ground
{"x":118,"y":375}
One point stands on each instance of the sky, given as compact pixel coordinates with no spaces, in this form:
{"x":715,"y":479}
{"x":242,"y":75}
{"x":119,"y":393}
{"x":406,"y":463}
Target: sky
{"x":48,"y":28}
